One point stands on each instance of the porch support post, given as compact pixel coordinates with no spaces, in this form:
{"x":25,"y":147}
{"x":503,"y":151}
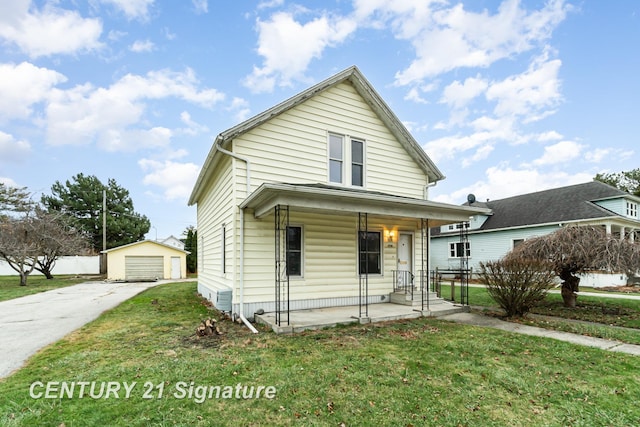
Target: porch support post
{"x":363,"y":289}
{"x":464,"y":264}
{"x":281,"y":214}
{"x":425,"y":235}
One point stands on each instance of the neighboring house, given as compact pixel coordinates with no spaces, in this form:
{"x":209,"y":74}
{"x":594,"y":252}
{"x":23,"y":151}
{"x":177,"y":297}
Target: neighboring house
{"x":146,"y":260}
{"x":315,"y":202}
{"x":515,"y":219}
{"x":173,"y":241}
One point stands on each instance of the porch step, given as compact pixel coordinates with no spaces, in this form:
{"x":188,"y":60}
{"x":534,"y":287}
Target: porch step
{"x":405,"y":298}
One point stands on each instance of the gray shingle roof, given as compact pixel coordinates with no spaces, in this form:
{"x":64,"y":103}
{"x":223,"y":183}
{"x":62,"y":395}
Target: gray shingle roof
{"x":571,"y":203}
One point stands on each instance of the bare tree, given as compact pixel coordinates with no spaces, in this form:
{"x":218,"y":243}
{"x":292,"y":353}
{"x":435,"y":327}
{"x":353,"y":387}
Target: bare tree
{"x":576,"y":250}
{"x":31,"y":238}
{"x":19,"y":245}
{"x":56,"y":238}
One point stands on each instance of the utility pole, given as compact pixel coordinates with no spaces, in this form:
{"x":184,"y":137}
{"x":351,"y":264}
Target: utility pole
{"x":103,"y":256}
{"x":104,"y":219}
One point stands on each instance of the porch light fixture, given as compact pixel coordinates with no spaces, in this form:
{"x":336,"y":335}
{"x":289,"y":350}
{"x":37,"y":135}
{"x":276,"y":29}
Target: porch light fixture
{"x":389,"y":236}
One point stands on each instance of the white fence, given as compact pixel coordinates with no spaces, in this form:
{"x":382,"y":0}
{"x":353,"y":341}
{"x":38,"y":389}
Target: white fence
{"x":80,"y":265}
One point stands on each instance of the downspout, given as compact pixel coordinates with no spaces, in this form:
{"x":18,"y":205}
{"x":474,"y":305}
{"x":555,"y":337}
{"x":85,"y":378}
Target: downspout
{"x":426,"y":189}
{"x":248,"y":163}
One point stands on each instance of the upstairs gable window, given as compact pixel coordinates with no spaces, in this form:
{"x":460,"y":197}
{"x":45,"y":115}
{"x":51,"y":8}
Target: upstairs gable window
{"x":336,"y":158}
{"x":346,"y":162}
{"x":632,"y":210}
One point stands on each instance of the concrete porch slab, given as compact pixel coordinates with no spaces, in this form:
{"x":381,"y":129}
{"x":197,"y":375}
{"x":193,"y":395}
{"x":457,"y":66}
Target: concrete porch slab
{"x":319,"y":318}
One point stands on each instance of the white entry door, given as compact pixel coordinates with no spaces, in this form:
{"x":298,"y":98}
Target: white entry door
{"x":175,"y":267}
{"x":405,"y":259}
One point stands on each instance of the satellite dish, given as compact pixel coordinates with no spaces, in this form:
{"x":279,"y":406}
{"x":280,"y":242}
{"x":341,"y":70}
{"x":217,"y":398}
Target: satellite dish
{"x":471,"y":199}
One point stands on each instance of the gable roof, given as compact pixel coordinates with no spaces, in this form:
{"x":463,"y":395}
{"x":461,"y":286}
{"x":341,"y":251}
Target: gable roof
{"x":163,"y":245}
{"x":564,"y":204}
{"x":364,"y":89}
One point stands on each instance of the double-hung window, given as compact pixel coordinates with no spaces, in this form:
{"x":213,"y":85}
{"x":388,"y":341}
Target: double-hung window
{"x":346,"y":163}
{"x":456,"y":250}
{"x":370,"y":253}
{"x":632,"y":210}
{"x":294,"y":251}
{"x":336,"y":159}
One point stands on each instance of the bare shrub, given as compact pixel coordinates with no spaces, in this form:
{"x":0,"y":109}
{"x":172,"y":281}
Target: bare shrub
{"x":517,"y":285}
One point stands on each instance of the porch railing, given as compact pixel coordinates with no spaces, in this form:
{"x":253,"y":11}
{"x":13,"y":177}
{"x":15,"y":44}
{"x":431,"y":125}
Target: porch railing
{"x":403,"y":281}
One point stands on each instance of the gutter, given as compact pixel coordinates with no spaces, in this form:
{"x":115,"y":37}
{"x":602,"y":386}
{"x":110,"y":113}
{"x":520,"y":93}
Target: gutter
{"x":218,"y":146}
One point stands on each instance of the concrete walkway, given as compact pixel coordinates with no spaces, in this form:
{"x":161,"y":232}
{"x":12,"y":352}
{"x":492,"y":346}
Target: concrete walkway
{"x":32,"y":322}
{"x":491,"y":322}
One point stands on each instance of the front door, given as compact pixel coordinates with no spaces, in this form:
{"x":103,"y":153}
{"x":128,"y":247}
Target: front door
{"x":405,"y":260}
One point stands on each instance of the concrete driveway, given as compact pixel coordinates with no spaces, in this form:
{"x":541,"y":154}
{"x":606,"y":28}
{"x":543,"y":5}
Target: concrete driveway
{"x":32,"y":322}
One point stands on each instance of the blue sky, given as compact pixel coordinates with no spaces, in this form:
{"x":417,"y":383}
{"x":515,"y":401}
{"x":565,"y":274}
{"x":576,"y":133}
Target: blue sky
{"x":507,"y":97}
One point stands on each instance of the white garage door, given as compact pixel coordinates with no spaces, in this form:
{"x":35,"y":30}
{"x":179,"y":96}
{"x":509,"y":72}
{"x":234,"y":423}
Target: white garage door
{"x":143,"y":267}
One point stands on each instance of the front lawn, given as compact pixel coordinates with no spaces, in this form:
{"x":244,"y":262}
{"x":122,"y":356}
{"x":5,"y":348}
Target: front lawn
{"x":610,"y":318}
{"x":10,"y":285}
{"x":417,"y":372}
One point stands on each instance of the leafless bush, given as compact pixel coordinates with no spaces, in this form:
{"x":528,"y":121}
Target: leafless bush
{"x":516,"y":284}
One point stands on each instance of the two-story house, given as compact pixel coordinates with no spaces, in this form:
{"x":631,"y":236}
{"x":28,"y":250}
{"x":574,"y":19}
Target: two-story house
{"x":515,"y":219}
{"x":316,"y":202}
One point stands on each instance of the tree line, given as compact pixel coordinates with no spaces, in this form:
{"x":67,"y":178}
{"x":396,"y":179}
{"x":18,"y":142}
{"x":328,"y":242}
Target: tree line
{"x":69,"y":221}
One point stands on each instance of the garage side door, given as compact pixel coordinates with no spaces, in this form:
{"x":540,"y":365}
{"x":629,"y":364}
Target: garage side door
{"x":143,"y":267}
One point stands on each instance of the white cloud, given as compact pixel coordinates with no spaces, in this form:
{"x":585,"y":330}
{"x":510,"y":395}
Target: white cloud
{"x":288,"y":46}
{"x":548,"y":136}
{"x":84,"y":113}
{"x":133,"y":9}
{"x":134,"y":139}
{"x":240,"y":109}
{"x":175,"y":179}
{"x":446,"y":38}
{"x":192,"y":128}
{"x":449,"y":146}
{"x":502,"y":181}
{"x":12,"y":150}
{"x":201,"y":6}
{"x":48,"y":31}
{"x":22,"y":86}
{"x":459,"y":94}
{"x":142,"y":46}
{"x":597,"y":155}
{"x":560,"y":152}
{"x":529,"y":93}
{"x":8,"y":181}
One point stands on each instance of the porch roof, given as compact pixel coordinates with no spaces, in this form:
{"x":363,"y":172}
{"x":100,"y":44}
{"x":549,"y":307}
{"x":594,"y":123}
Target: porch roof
{"x":320,"y":197}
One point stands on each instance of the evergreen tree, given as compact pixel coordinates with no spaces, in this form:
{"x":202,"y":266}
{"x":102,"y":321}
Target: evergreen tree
{"x":191,"y":245}
{"x":81,"y":198}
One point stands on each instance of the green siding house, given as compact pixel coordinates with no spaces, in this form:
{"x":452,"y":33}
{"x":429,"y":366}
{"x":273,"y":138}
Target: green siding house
{"x":515,"y":219}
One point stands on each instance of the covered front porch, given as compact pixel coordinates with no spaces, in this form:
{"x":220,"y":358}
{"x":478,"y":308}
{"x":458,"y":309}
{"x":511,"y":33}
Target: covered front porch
{"x":345,"y":255}
{"x":319,"y":318}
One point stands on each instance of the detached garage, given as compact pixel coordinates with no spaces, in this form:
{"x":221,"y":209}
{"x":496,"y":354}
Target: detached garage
{"x":146,"y":260}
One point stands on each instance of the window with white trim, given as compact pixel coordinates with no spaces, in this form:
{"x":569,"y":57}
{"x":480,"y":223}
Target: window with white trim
{"x":294,"y":251}
{"x":370,"y":250}
{"x":357,"y":163}
{"x":632,"y":210}
{"x":346,"y":162}
{"x":455,"y":250}
{"x":336,"y":159}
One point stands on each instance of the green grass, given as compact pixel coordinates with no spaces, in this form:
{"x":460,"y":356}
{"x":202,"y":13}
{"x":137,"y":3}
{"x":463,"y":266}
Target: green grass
{"x":417,"y":372}
{"x":10,"y":285}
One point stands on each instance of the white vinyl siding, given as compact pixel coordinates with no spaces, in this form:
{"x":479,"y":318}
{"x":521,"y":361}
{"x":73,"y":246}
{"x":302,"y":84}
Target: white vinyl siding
{"x":293,"y":147}
{"x":330,"y":257}
{"x":215,"y":209}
